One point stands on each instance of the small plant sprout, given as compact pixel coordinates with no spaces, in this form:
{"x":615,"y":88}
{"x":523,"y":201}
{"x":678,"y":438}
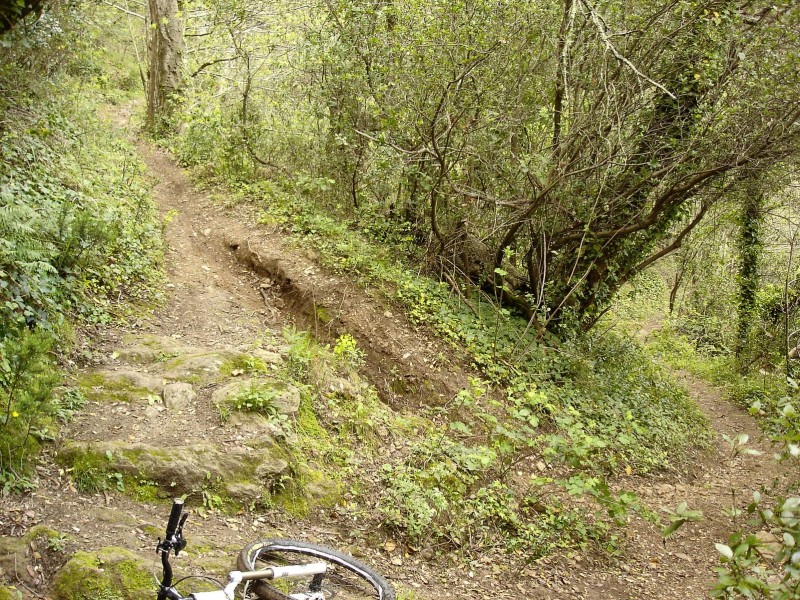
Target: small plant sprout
{"x":738,"y":447}
{"x":347,"y":352}
{"x":678,"y":517}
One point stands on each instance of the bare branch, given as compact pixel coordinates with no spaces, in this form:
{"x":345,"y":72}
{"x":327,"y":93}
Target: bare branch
{"x":602,"y":30}
{"x":211,"y":63}
{"x":124,"y":10}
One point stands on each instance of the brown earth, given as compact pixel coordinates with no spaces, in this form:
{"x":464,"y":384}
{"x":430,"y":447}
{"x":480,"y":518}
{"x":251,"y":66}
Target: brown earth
{"x":232,"y":286}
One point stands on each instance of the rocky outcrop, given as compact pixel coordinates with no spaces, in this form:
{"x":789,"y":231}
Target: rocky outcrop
{"x":184,"y":469}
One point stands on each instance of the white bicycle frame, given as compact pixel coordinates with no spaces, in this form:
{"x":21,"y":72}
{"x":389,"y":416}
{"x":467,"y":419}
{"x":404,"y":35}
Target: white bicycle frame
{"x":237,"y":577}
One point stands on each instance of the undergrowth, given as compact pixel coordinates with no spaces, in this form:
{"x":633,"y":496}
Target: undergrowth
{"x":602,"y":386}
{"x":79,"y":236}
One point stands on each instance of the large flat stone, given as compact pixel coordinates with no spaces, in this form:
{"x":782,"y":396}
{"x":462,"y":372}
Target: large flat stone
{"x":154,"y":383}
{"x":180,"y":469}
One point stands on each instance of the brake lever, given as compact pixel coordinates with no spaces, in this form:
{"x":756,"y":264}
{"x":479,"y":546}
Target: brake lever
{"x":180,"y":541}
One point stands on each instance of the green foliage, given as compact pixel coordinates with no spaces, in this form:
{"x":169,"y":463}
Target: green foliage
{"x":753,"y":567}
{"x":620,"y":398}
{"x":243,"y":364}
{"x":347,"y":352}
{"x":93,"y":473}
{"x":679,"y":517}
{"x":302,"y":353}
{"x":257,"y":398}
{"x":71,"y":401}
{"x":364,"y":113}
{"x":78,"y":231}
{"x":638,"y":302}
{"x":57,"y":542}
{"x":27,"y":378}
{"x":449,"y":492}
{"x":75,"y":232}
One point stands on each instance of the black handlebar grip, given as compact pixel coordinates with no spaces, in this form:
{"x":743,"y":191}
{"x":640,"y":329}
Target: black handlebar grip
{"x":174,"y":518}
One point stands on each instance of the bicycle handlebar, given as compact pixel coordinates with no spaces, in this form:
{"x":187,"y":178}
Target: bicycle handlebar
{"x":174,"y":518}
{"x":172,"y":541}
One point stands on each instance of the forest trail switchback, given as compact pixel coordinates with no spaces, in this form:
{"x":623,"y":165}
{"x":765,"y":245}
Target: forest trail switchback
{"x":230,"y":282}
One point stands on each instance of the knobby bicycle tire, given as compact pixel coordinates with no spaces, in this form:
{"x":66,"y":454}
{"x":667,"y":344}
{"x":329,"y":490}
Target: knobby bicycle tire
{"x":346,"y":579}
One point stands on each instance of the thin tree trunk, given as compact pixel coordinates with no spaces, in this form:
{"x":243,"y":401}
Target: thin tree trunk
{"x":165,"y":59}
{"x":750,"y":248}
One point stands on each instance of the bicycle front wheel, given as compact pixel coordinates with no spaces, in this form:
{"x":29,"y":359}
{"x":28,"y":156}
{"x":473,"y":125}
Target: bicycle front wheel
{"x":345,"y":579}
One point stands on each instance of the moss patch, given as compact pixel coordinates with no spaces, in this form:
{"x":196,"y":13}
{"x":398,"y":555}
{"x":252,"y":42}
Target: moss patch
{"x":10,"y":593}
{"x":291,"y":499}
{"x":307,"y":422}
{"x":98,"y":388}
{"x":152,"y":474}
{"x":320,"y":488}
{"x":243,"y":363}
{"x":144,"y":490}
{"x":109,"y":574}
{"x":322,"y":314}
{"x":42,"y":532}
{"x":90,"y":471}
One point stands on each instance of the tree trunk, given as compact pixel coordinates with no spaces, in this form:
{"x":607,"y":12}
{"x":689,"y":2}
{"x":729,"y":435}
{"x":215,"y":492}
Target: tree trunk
{"x":165,"y":59}
{"x":750,"y":247}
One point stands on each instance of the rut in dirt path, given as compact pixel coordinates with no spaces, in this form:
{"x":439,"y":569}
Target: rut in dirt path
{"x":236,"y":278}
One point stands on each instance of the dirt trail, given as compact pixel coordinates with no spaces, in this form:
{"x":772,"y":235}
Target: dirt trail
{"x":682,"y":567}
{"x":230,"y":283}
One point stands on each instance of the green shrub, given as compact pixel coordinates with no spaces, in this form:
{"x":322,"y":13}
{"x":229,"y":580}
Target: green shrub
{"x":451,"y":493}
{"x":746,"y":571}
{"x":256,"y":398}
{"x":27,"y":378}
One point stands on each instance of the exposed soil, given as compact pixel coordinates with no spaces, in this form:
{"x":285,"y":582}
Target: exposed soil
{"x":231,"y":282}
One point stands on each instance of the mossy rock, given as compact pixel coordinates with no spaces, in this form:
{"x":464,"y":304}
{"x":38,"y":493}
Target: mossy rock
{"x":118,"y":386}
{"x":257,"y":429}
{"x":12,"y":557}
{"x":149,"y":349}
{"x":219,"y":564}
{"x":140,"y":355}
{"x":298,"y":495}
{"x":269,"y":357}
{"x":180,"y":469}
{"x":135,"y":379}
{"x":286,"y":400}
{"x":111,"y":573}
{"x":320,"y":488}
{"x":204,"y":365}
{"x":41,"y":546}
{"x":245,"y":492}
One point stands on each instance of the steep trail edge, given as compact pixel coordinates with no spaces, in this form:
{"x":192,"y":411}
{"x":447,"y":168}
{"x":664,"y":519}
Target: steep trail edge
{"x":228,"y":282}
